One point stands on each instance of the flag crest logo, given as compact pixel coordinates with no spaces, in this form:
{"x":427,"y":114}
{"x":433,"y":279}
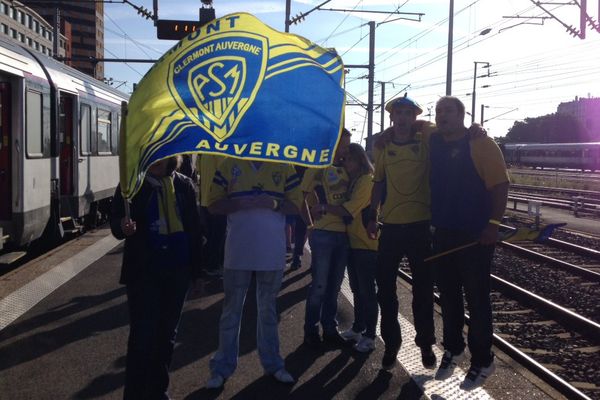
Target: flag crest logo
{"x":235,"y":88}
{"x":216,"y":92}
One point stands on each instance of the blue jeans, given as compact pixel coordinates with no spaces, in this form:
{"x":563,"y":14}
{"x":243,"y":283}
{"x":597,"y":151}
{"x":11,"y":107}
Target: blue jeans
{"x":329,"y":259}
{"x":236,"y":283}
{"x":467,"y":269}
{"x":361,"y":274}
{"x":155,"y":301}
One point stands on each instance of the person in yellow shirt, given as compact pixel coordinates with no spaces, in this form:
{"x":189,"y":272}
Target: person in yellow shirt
{"x":329,"y":246}
{"x":256,"y":197}
{"x":402,"y":172}
{"x":363,"y":249}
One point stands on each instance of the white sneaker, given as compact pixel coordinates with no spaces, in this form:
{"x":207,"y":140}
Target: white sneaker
{"x":283,"y":376}
{"x":215,"y":382}
{"x":365,"y":345}
{"x":448,"y":364}
{"x":349,"y":334}
{"x":477,"y":376}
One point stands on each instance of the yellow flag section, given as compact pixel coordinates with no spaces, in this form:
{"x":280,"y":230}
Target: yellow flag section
{"x":236,"y":88}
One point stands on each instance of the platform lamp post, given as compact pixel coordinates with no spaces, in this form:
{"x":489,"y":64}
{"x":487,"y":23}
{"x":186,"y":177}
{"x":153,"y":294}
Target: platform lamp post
{"x":487,"y":65}
{"x":449,"y":55}
{"x":482,"y":109}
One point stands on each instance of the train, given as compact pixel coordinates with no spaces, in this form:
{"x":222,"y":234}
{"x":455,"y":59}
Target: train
{"x":581,"y":156}
{"x":58,"y":146}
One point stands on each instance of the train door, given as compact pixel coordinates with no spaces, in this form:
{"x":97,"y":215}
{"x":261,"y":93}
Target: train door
{"x":66,"y":144}
{"x":5,"y":153}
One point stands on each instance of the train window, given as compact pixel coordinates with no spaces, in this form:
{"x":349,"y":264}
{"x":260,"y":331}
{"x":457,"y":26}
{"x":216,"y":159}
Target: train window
{"x":34,"y":124}
{"x":115,"y":136}
{"x":104,"y":128}
{"x":85,"y":129}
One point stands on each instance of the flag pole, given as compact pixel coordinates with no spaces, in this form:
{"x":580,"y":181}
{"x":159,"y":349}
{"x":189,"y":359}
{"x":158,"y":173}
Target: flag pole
{"x":123,"y":156}
{"x":445,"y":253}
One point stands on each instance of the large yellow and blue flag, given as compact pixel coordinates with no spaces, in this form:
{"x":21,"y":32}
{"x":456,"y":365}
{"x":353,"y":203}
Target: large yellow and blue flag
{"x":236,"y":87}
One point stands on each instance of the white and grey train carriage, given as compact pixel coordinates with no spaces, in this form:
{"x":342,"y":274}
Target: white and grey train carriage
{"x":58,"y":146}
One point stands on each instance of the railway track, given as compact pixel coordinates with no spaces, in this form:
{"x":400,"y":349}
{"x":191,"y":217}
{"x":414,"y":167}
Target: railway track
{"x":546,"y":312}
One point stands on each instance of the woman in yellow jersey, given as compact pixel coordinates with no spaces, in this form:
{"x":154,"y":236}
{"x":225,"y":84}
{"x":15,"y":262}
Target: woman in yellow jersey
{"x":329,"y":247}
{"x":362,"y":259}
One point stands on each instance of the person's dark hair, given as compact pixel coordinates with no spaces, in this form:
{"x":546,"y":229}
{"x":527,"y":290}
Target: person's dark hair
{"x":356,"y":152}
{"x":459,"y":104}
{"x":173,"y":164}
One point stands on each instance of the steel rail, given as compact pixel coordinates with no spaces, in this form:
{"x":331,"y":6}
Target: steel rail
{"x":589,"y":274}
{"x":575,"y":248}
{"x":526,"y":361}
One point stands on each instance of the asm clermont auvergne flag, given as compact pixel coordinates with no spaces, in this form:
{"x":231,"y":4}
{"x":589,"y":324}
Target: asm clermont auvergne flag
{"x":239,"y":88}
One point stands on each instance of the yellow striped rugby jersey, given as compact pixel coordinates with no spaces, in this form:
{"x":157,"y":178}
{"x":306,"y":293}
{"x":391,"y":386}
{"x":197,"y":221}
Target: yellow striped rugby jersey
{"x":405,"y":168}
{"x":236,"y":178}
{"x":330,"y":185}
{"x":359,"y":197}
{"x":207,"y":164}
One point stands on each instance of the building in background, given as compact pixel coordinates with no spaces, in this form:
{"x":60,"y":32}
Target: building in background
{"x":587,"y":112}
{"x":22,"y":24}
{"x":82,"y":23}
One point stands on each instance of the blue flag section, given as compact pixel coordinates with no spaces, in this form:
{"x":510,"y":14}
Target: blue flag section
{"x":239,"y":88}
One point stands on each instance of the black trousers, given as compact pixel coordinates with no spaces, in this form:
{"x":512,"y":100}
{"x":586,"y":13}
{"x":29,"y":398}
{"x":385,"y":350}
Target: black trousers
{"x":467,"y":269}
{"x":299,"y":236}
{"x":213,"y":253}
{"x":414,"y":242}
{"x":155,"y":302}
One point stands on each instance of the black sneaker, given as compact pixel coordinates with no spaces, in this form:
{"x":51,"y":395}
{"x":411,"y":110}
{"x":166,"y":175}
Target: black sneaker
{"x":336,"y":340}
{"x":428,"y":357}
{"x":477,"y":376}
{"x":389,"y":361}
{"x":313,"y":340}
{"x":448,"y":364}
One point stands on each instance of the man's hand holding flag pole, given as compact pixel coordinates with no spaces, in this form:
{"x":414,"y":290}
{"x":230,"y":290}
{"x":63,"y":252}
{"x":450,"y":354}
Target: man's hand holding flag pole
{"x":512,"y":235}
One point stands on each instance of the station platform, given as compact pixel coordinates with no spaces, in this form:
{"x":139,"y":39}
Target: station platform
{"x":64,"y":327}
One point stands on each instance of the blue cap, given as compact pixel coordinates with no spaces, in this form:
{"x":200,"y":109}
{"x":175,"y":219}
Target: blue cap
{"x":403,"y":101}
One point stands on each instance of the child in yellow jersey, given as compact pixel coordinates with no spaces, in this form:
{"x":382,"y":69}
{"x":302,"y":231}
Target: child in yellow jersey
{"x":329,"y":246}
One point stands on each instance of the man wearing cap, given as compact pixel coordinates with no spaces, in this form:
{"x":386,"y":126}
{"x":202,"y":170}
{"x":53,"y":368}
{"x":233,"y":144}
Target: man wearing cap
{"x":402,"y":172}
{"x":469,"y":188}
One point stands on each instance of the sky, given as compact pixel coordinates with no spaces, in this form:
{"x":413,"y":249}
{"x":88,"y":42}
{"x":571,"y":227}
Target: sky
{"x":534,"y":63}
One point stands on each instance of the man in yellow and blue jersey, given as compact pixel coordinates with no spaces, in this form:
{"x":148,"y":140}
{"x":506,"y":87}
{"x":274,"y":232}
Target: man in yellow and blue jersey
{"x":402,"y":173}
{"x":329,"y":245}
{"x":256,"y":197}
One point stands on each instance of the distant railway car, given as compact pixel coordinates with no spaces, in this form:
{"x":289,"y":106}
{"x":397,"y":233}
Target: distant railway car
{"x":58,"y":146}
{"x":583,"y":156}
